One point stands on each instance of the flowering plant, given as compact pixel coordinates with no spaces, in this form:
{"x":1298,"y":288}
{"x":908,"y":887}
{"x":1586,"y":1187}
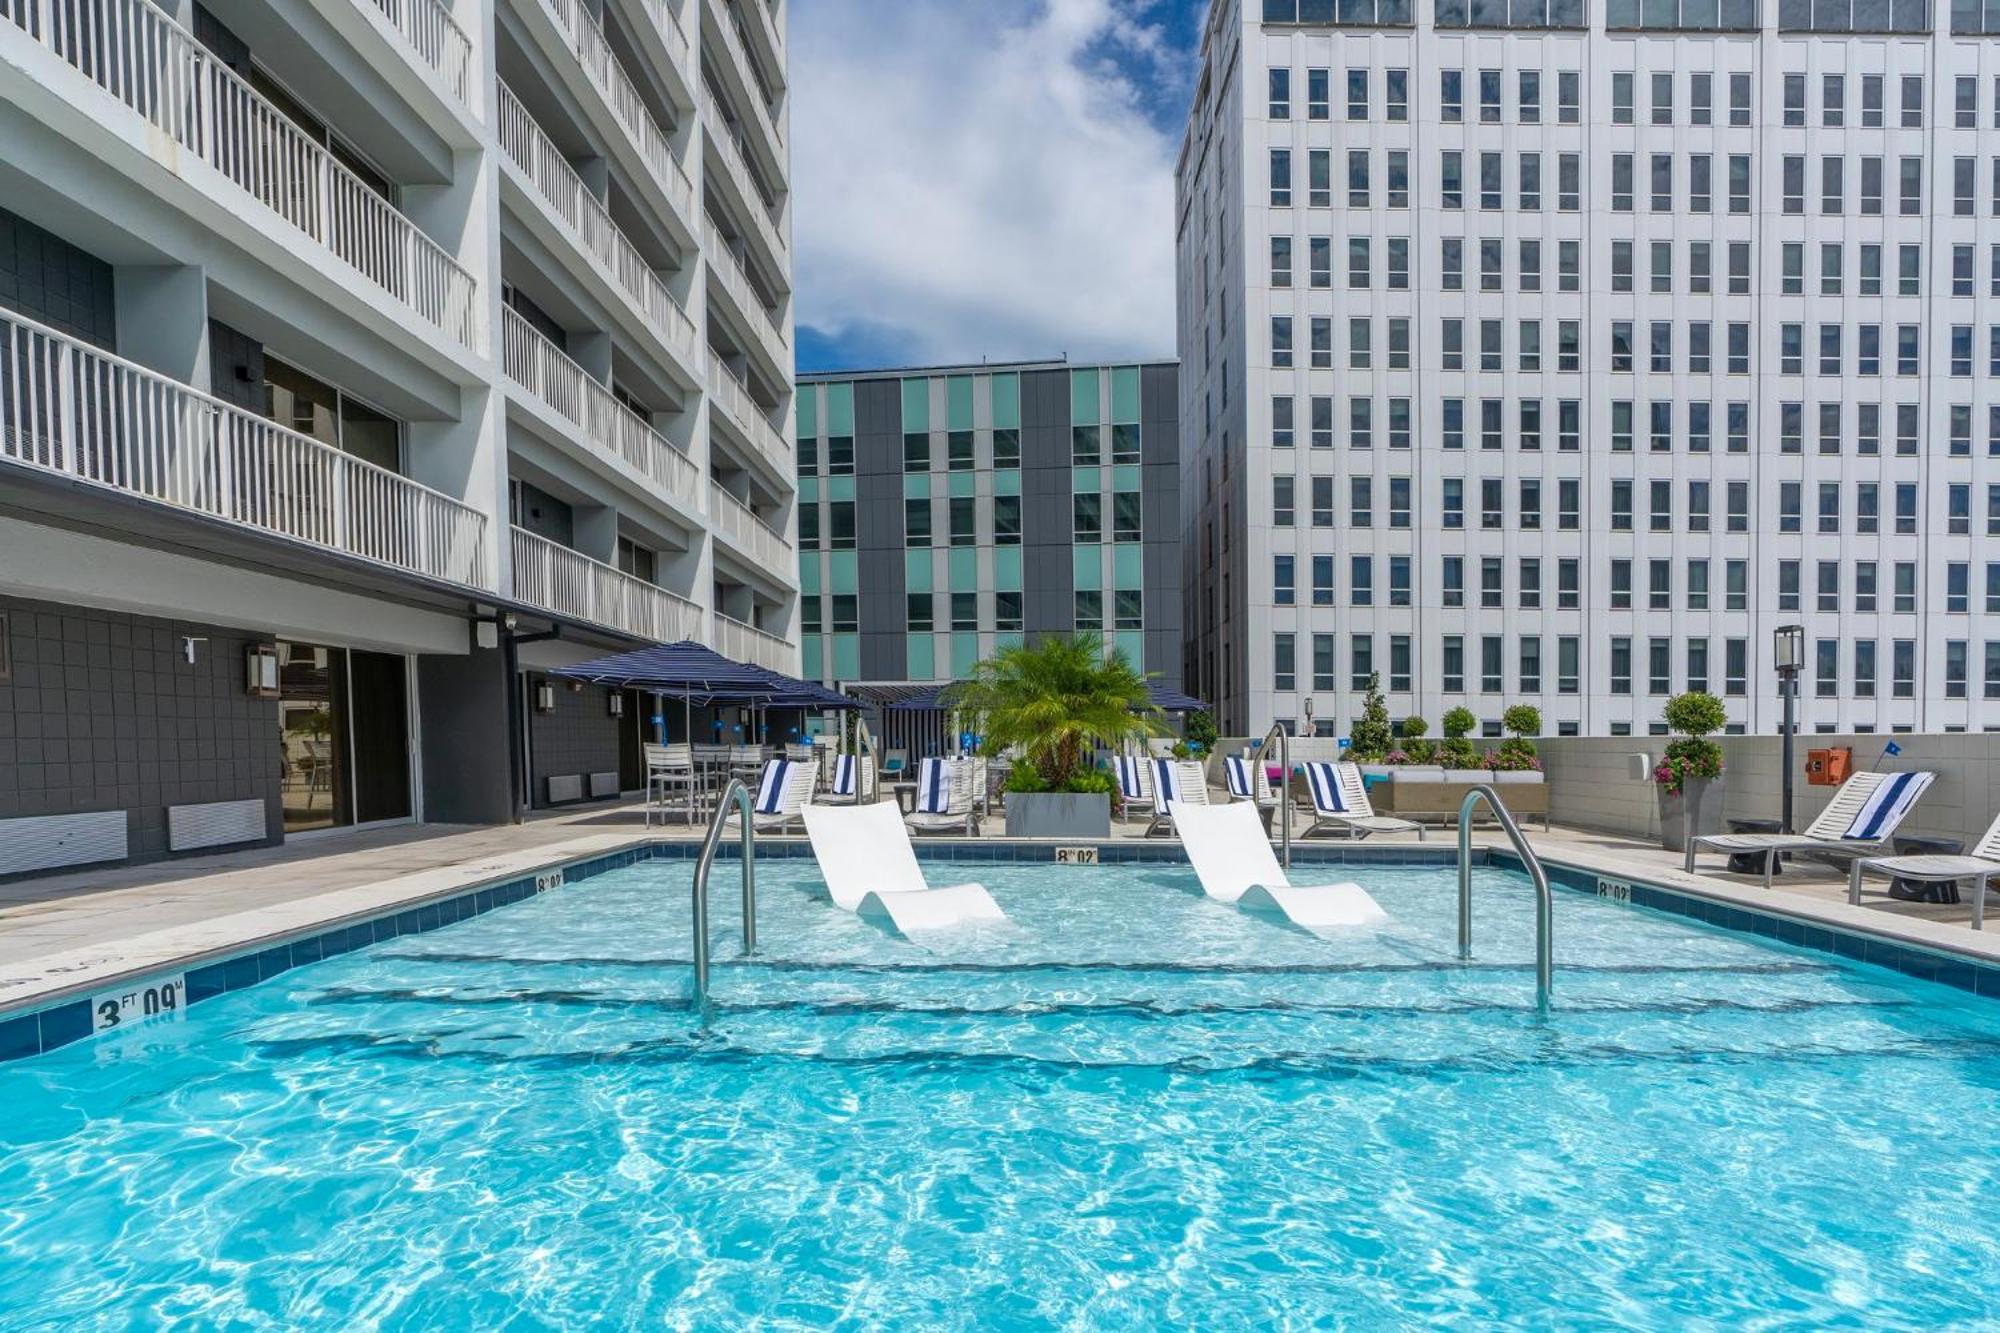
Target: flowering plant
{"x":1504,"y":760}
{"x":1679,"y":765}
{"x":1693,"y":756}
{"x":1396,"y":757}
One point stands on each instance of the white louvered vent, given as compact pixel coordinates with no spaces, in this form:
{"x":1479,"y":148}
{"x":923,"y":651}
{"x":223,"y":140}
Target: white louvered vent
{"x":603,"y":784}
{"x":215,"y":824}
{"x":566,"y":788}
{"x":43,"y":842}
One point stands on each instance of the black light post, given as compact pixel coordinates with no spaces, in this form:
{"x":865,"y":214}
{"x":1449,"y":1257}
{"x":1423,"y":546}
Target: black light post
{"x":1788,"y":654}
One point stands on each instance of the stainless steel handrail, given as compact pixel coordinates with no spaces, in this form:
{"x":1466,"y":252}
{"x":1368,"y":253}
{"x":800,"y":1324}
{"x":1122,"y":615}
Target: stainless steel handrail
{"x":741,"y":795}
{"x":865,"y":754}
{"x":1544,"y":938}
{"x":1284,"y":791}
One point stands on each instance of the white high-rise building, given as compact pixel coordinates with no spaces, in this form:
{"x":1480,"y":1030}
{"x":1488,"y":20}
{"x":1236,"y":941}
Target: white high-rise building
{"x":361,"y":360}
{"x":1560,"y":351}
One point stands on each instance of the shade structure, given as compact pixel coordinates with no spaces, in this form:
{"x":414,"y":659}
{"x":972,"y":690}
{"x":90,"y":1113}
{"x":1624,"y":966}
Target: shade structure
{"x":697,"y":673}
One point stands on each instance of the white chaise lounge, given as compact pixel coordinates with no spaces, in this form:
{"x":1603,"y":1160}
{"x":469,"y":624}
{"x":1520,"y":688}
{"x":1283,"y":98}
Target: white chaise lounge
{"x":1248,"y":780}
{"x":1859,"y":820}
{"x":1232,"y":855}
{"x":784,"y":789}
{"x":1980,"y":866}
{"x":1135,"y":786}
{"x":1340,"y":803}
{"x":1176,"y":783}
{"x":870,"y":868}
{"x":945,"y":798}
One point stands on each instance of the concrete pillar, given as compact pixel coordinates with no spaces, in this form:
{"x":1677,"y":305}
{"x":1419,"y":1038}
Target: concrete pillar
{"x":163,"y":320}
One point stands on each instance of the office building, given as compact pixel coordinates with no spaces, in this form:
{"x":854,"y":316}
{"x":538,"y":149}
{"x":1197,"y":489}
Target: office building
{"x":1560,"y":351}
{"x":352,"y":351}
{"x":947,"y":511}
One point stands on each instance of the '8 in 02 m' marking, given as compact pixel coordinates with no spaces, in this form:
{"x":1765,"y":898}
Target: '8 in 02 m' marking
{"x":165,"y":998}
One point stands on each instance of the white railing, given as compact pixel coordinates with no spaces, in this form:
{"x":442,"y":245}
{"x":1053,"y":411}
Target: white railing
{"x":569,"y":583}
{"x":604,"y":423}
{"x":621,"y":98}
{"x":737,"y":282}
{"x":68,"y":408}
{"x":762,"y":211}
{"x":674,"y":36}
{"x":747,"y":643}
{"x":738,"y":524}
{"x":767,"y":31}
{"x":591,"y":227}
{"x":753,"y":79}
{"x":141,"y":57}
{"x":431,"y":31}
{"x":727,"y":392}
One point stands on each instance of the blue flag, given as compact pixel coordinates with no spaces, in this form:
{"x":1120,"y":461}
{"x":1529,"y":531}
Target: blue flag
{"x":1892,"y":748}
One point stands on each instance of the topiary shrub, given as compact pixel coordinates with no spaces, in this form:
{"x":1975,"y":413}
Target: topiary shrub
{"x":1199,"y":728}
{"x":1458,"y":723}
{"x":1692,"y":755}
{"x":1372,"y":737}
{"x":1457,"y":751}
{"x":1417,"y":750}
{"x":1521,"y":721}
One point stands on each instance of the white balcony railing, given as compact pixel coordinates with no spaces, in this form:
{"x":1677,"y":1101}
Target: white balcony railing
{"x":604,"y":423}
{"x":674,"y":36}
{"x":68,"y":408}
{"x":727,"y":392}
{"x":762,"y":210}
{"x":736,"y":281}
{"x":431,"y":31}
{"x":621,"y":97}
{"x":737,"y":524}
{"x":591,"y":228}
{"x":747,"y":643}
{"x":764,"y":24}
{"x":737,"y":43}
{"x":569,"y":583}
{"x":141,"y":57}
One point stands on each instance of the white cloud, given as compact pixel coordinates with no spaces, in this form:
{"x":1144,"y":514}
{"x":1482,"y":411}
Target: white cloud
{"x":979,"y":177}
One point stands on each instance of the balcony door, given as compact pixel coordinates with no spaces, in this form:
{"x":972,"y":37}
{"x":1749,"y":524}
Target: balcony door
{"x":345,"y":730}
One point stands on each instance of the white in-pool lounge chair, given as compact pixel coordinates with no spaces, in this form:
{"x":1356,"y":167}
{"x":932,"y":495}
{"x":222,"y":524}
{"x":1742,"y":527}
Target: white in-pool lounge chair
{"x":1231,"y":854}
{"x":865,"y":856}
{"x":1135,"y":785}
{"x":1858,"y":821}
{"x":1340,"y":803}
{"x":944,"y":798}
{"x":1980,"y":866}
{"x":785,"y":788}
{"x":1176,"y":783}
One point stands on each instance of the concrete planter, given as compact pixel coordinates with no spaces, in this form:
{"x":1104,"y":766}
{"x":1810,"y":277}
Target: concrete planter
{"x":1084,"y":816}
{"x":1695,"y":811}
{"x":1417,"y":773}
{"x":1377,"y":770}
{"x":1519,"y":776}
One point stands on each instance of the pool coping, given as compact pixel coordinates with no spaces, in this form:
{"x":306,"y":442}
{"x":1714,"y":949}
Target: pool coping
{"x":61,"y":1014}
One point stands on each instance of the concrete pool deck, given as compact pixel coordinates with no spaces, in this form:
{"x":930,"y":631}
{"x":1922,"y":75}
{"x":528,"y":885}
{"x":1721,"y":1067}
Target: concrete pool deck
{"x":77,"y":933}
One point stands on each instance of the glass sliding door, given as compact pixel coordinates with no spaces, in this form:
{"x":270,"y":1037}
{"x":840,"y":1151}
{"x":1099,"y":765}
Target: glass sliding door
{"x":378,"y":685}
{"x":312,"y":718}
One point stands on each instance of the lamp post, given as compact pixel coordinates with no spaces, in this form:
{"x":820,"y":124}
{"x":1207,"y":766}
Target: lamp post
{"x":1309,"y":715}
{"x":1788,"y":651}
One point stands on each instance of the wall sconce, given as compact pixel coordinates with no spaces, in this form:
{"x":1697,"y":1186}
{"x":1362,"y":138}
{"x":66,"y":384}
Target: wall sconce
{"x":545,"y":697}
{"x":615,"y":701}
{"x":260,"y":670}
{"x":575,"y":687}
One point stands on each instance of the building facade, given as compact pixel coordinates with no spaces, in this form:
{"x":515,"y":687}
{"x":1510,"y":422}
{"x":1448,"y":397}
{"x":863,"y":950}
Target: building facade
{"x":361,"y":362}
{"x":1559,"y":352}
{"x":945,"y":512}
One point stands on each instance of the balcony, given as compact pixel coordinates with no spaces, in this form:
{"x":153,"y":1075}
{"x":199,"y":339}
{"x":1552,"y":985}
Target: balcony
{"x":733,"y":40}
{"x":433,"y":35}
{"x":586,"y":41}
{"x":747,"y":643}
{"x":613,"y":430}
{"x":674,"y":42}
{"x":764,"y":324}
{"x":760,"y":210}
{"x":142,"y":58}
{"x":569,"y":583}
{"x":727,"y":392}
{"x":592,"y":231}
{"x":764,"y":35}
{"x":737,"y":524}
{"x":69,"y":409}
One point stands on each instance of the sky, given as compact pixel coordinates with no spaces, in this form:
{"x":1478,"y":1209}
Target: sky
{"x":985,"y":179}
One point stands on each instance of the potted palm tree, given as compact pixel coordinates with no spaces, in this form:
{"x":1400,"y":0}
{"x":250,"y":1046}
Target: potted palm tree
{"x":1052,"y":702}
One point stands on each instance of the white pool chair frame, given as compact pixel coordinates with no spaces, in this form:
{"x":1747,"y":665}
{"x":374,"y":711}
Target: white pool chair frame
{"x":1822,"y":839}
{"x":1139,"y":799}
{"x":1980,"y":865}
{"x":1190,"y":777}
{"x":1359,"y":819}
{"x":801,"y":784}
{"x":669,"y":769}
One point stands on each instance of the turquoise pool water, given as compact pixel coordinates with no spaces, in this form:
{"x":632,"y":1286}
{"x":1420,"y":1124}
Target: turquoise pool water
{"x":1132,"y":1108}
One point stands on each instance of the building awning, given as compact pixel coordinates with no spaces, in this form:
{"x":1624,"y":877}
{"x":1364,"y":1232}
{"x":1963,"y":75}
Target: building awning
{"x":698,"y":674}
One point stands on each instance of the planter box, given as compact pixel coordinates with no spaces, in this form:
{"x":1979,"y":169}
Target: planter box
{"x":1440,"y":800}
{"x":1417,"y":773}
{"x":1376,"y":770}
{"x":1084,"y":816}
{"x":1519,"y":776}
{"x":1694,"y":812}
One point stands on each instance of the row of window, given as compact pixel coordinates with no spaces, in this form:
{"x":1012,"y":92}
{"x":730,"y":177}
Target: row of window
{"x":962,"y":525}
{"x":1863,"y":17}
{"x":842,"y":612}
{"x":1090,"y":446}
{"x":1490,"y":666}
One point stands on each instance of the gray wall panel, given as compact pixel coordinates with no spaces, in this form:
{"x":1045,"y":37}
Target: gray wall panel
{"x":462,"y":702}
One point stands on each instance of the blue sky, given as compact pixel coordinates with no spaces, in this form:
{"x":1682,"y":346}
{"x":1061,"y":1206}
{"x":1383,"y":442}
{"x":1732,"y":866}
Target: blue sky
{"x":985,"y":179}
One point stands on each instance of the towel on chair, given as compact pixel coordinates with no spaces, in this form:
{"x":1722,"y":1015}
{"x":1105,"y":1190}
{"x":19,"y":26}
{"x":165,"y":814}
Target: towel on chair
{"x":933,"y":787}
{"x":1166,"y":785}
{"x":771,"y":788}
{"x":1128,"y":777}
{"x":1326,"y":793}
{"x":1886,"y":805}
{"x":843,"y":775}
{"x":1237,"y":770}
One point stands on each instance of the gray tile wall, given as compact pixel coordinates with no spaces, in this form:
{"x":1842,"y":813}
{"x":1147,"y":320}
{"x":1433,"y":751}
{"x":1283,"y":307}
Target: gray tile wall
{"x":104,"y":712}
{"x":50,"y":280}
{"x":580,"y":736}
{"x":1048,"y":571}
{"x":878,"y":527}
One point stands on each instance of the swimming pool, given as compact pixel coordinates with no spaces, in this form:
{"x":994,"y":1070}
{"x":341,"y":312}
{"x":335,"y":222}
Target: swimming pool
{"x":1131,"y":1107}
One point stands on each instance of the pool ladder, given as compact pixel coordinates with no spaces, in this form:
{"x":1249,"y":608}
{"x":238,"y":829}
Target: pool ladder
{"x":1284,"y":792}
{"x":1544,"y":939}
{"x":738,"y":794}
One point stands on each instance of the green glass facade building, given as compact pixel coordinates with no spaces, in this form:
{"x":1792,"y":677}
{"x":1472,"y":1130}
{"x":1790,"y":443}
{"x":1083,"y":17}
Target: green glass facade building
{"x":945,"y":512}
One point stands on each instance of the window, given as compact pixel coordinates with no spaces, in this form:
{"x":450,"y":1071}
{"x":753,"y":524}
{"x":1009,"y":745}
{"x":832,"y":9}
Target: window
{"x":1621,"y":665}
{"x":1322,"y":580}
{"x":917,"y":522}
{"x":1281,"y":94}
{"x":1281,"y":346}
{"x":1087,"y":517}
{"x":1284,"y":663}
{"x":1283,"y":513}
{"x":1281,"y":178}
{"x":1281,"y":261}
{"x":964,"y":521}
{"x":1006,"y":520}
{"x":1451,"y":96}
{"x":918,"y":612}
{"x":958,"y":450}
{"x":965,"y":610}
{"x":1126,"y":511}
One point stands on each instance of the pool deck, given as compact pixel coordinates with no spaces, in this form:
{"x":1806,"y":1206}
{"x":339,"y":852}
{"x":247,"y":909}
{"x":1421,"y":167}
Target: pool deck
{"x":77,"y":933}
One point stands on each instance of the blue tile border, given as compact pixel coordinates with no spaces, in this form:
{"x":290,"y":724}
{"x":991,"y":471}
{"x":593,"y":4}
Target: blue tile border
{"x":43,"y":1030}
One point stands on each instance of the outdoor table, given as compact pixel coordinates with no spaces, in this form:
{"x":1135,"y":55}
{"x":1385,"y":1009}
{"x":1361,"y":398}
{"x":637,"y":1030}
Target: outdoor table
{"x":905,"y":790}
